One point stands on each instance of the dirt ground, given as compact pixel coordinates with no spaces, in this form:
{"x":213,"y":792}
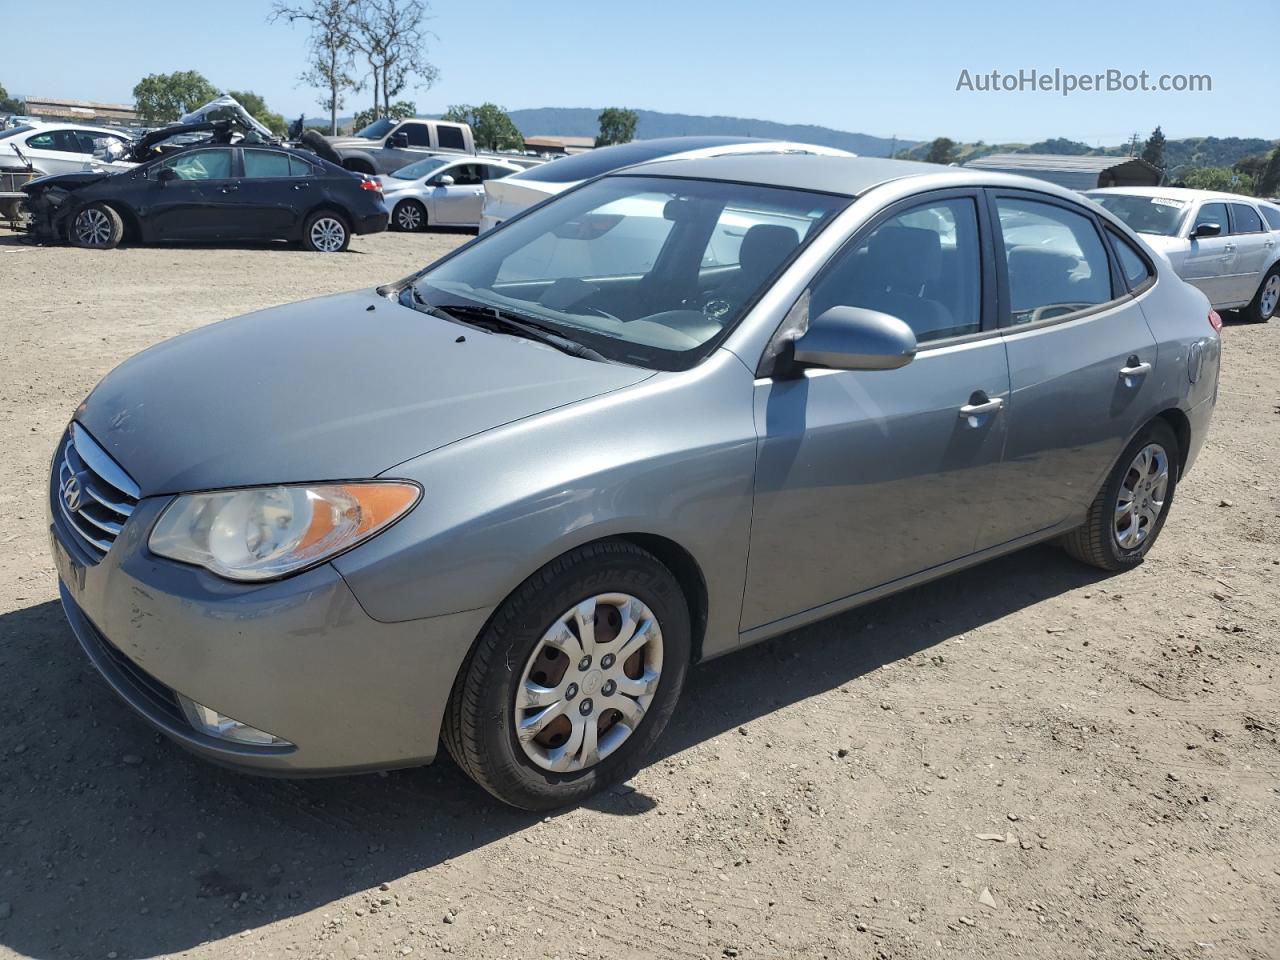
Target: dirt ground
{"x":1029,"y":759}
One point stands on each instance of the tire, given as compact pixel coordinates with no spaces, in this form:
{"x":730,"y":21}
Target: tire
{"x":480,"y":728}
{"x":1099,"y":541}
{"x":326,"y":232}
{"x":409,"y":216}
{"x":1266,"y":302}
{"x":96,"y":227}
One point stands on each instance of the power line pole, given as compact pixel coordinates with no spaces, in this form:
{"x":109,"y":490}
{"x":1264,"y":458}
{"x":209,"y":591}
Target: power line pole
{"x":1133,"y":145}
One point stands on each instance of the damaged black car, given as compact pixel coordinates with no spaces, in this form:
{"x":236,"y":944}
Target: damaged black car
{"x":208,"y":181}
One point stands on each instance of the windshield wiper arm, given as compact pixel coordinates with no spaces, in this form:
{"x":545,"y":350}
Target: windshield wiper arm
{"x":463,"y":313}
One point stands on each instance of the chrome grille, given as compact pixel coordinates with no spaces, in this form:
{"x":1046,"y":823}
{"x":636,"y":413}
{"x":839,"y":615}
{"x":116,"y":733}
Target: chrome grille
{"x":91,"y":494}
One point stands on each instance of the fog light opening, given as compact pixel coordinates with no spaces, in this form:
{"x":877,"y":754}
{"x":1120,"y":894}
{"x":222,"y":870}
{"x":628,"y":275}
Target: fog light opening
{"x":214,"y":724}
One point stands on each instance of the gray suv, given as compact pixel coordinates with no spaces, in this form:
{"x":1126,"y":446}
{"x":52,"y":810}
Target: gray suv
{"x":506,"y":502}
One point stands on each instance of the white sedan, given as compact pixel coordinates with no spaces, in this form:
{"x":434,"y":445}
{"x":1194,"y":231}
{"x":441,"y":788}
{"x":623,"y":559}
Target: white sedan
{"x":505,"y":198}
{"x":53,"y":148}
{"x":441,"y":190}
{"x":1225,"y":244}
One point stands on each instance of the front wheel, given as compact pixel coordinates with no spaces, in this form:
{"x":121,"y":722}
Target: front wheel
{"x":573,"y":679}
{"x":1129,"y":512}
{"x":409,"y":215}
{"x":1266,"y":300}
{"x":97,"y":227}
{"x":326,"y":232}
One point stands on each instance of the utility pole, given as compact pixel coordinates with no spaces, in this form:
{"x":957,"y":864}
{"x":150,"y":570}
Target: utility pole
{"x":893,"y":149}
{"x":1133,"y":145}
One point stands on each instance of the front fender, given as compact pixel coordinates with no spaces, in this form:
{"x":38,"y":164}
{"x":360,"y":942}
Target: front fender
{"x":673,"y":456}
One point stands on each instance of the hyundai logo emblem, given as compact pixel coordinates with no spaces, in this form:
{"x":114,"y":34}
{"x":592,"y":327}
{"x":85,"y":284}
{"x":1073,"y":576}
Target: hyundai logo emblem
{"x":71,"y":494}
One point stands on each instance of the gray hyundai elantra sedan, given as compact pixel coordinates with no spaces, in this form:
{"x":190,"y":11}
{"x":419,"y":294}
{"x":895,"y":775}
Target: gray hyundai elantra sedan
{"x":506,"y":502}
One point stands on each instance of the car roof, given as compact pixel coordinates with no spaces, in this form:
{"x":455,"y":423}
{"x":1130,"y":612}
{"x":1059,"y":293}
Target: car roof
{"x":1176,"y":193}
{"x":44,"y":127}
{"x":846,"y":176}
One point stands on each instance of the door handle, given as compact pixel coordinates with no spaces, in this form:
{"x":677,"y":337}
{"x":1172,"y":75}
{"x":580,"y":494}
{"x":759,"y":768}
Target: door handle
{"x":230,"y":189}
{"x":301,"y":186}
{"x":979,"y":404}
{"x":1230,"y":248}
{"x":1133,"y":368}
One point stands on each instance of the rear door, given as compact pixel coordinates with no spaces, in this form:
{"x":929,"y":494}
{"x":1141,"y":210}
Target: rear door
{"x":1254,"y":245}
{"x":1081,"y":361}
{"x":1211,"y":261}
{"x":276,"y":192}
{"x":864,"y":477}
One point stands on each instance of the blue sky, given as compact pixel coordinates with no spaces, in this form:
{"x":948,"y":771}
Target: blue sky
{"x":885,"y":68}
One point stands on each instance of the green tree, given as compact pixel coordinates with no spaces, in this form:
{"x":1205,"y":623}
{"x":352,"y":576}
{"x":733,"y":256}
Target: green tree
{"x":397,"y":111}
{"x":942,"y":150}
{"x":1222,"y":179}
{"x":1269,"y":179}
{"x":163,"y":97}
{"x":333,"y":25}
{"x":1153,"y":149}
{"x":257,"y":108}
{"x":617,"y":125}
{"x":10,"y":104}
{"x":490,"y":125}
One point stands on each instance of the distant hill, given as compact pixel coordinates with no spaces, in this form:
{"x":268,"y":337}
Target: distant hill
{"x":583,"y":122}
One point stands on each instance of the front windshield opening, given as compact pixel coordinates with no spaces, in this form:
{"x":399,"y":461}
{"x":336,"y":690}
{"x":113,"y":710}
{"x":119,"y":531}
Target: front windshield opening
{"x":646,"y":270}
{"x":376,"y":130}
{"x":420,"y":168}
{"x":1144,"y":214}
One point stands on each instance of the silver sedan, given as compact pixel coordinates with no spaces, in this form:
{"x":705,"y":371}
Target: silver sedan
{"x":446,"y":191}
{"x":506,"y":502}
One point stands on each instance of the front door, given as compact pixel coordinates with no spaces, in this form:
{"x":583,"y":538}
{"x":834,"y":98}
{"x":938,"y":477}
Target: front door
{"x":459,"y":203}
{"x":1081,"y":363}
{"x":865,"y":477}
{"x":196,"y":204}
{"x":1211,"y":260}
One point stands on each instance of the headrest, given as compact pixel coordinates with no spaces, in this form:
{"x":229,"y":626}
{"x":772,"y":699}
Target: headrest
{"x":764,"y":248}
{"x":904,"y":259}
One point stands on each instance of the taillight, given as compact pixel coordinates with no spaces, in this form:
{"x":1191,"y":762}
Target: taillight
{"x":373,"y":185}
{"x":1215,"y":321}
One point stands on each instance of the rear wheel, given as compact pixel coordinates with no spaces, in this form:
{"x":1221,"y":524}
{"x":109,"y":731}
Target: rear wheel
{"x":1129,"y":512}
{"x":409,"y":215}
{"x":573,"y":679}
{"x":97,"y":226}
{"x":1267,"y":300}
{"x":326,"y":232}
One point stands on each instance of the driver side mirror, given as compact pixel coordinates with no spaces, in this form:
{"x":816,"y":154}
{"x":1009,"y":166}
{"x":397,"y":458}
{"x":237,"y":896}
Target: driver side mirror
{"x":444,"y":180}
{"x":854,"y":338}
{"x":1207,"y":230}
{"x":165,"y":174}
{"x":400,"y":139}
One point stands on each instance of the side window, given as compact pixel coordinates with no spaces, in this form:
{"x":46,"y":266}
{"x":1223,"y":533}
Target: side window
{"x":299,"y":167}
{"x":1273,"y":216}
{"x":1057,"y":264}
{"x":1212,"y":213}
{"x":496,"y":173}
{"x":266,"y":163}
{"x":418,"y":133}
{"x":201,"y":165}
{"x":450,"y":136}
{"x":1132,"y":265}
{"x":42,"y":141}
{"x":1245,"y":219}
{"x":922,"y":266}
{"x":465,"y":174}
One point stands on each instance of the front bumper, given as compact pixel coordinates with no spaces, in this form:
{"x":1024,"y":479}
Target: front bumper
{"x":298,"y":658}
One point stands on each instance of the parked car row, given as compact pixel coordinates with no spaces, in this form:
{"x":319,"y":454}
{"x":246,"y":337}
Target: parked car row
{"x":1225,"y":244}
{"x":679,"y":408}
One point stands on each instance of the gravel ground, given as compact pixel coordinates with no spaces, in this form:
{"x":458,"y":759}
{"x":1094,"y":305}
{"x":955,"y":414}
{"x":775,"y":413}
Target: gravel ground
{"x":1027,"y":759}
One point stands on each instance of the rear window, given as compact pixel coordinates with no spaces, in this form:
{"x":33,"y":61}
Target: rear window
{"x":584,"y":166}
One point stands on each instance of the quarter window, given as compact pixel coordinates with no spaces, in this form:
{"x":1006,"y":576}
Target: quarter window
{"x":1273,"y":216}
{"x":921,"y":266}
{"x":1132,"y":265}
{"x":1245,"y":219}
{"x":1056,"y":261}
{"x":450,"y":137}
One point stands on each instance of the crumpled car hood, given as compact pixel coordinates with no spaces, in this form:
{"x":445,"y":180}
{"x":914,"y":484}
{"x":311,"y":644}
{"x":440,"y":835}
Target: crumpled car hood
{"x":340,"y":387}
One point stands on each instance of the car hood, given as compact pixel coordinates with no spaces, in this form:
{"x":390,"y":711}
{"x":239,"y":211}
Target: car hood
{"x":341,"y":142}
{"x":340,"y":387}
{"x":1164,"y":244}
{"x":69,"y":181}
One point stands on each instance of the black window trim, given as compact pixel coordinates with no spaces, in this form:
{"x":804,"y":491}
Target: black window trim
{"x":1120,"y":292}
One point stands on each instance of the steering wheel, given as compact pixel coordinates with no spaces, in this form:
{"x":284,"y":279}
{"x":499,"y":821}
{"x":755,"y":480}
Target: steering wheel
{"x":710,"y":304}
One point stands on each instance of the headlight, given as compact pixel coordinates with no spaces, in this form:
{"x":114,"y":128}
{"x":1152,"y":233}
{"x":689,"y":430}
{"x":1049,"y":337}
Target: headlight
{"x":268,"y":532}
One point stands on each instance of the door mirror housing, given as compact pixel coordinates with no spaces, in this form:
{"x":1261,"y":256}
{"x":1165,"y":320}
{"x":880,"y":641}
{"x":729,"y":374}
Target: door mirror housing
{"x":1207,"y":230}
{"x":399,"y":139}
{"x":165,"y":174}
{"x":854,"y":338}
{"x":444,"y":180}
